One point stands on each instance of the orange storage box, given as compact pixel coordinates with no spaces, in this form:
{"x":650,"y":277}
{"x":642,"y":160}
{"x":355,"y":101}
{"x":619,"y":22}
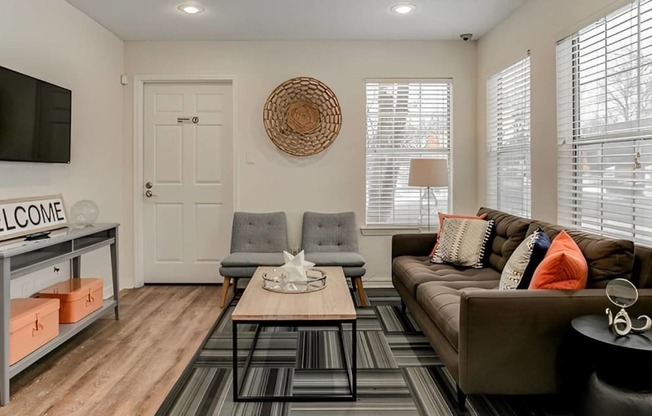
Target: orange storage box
{"x":79,"y":297}
{"x":33,"y":323}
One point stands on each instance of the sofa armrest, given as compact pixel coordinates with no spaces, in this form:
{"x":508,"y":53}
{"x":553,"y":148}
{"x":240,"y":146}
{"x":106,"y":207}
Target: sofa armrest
{"x":412,"y":244}
{"x":509,"y":340}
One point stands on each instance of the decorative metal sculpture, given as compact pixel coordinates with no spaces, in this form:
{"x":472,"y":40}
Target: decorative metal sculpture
{"x":623,"y":293}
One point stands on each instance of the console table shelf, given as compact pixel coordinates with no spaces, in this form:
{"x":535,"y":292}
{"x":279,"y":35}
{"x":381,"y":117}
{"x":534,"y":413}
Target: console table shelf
{"x":66,"y":331}
{"x":20,"y":258}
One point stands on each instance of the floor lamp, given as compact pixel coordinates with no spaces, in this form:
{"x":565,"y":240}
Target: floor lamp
{"x":428,"y":173}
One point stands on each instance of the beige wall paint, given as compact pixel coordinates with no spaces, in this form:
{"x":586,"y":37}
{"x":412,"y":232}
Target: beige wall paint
{"x":335,"y":179}
{"x":536,"y":26}
{"x":53,"y":41}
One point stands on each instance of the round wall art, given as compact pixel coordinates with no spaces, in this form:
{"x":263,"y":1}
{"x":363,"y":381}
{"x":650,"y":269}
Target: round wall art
{"x":302,"y":116}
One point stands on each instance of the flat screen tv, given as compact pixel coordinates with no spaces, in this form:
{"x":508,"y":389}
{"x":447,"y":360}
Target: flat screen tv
{"x":34,"y":119}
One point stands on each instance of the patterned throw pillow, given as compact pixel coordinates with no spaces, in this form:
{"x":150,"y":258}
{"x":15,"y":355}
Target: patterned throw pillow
{"x":462,"y":242}
{"x":443,"y":216}
{"x":523,"y":262}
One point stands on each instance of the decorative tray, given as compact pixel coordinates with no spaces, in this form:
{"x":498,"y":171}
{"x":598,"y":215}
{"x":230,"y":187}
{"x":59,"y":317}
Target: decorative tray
{"x":274,"y":281}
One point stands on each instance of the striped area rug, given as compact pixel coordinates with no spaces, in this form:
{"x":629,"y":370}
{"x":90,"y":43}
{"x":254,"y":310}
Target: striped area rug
{"x":399,"y":374}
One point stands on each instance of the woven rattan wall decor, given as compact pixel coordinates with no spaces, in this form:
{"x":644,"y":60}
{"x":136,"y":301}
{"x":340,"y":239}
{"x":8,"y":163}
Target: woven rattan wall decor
{"x":302,"y":116}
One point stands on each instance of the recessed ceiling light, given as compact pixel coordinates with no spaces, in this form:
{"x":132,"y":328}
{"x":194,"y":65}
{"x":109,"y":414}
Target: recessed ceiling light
{"x":191,"y":8}
{"x":403,"y":8}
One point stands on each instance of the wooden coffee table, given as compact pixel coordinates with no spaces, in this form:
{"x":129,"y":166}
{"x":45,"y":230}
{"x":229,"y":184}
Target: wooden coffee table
{"x":330,"y":306}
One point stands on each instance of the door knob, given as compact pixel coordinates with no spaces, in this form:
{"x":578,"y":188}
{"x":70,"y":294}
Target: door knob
{"x":149,"y":193}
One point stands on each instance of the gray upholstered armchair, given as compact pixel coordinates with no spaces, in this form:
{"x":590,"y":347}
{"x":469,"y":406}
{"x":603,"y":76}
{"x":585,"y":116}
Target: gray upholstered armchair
{"x":256,"y":240}
{"x":332,"y":240}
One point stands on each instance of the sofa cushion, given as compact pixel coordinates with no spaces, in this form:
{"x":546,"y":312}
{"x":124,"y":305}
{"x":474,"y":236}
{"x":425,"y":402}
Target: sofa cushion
{"x":253,"y":259}
{"x":345,"y":258}
{"x":508,"y":232}
{"x":520,"y":267}
{"x":563,"y":268}
{"x":413,"y":271}
{"x":442,"y":304}
{"x":608,"y":258}
{"x":642,"y":271}
{"x":354,"y":271}
{"x":259,"y":232}
{"x":238,"y":272}
{"x":462,"y":242}
{"x":322,"y":232}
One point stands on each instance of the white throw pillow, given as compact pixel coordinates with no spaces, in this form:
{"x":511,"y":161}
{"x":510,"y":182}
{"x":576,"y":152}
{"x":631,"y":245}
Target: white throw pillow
{"x":524,"y":260}
{"x":518,"y":261}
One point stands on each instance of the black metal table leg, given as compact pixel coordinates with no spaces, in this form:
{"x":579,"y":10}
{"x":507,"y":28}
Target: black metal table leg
{"x":350,"y":359}
{"x":234,"y":325}
{"x":350,"y":363}
{"x":247,"y":363}
{"x":354,"y":359}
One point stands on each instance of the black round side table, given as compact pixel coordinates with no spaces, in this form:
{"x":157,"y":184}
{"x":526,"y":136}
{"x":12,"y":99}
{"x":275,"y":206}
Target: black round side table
{"x":622,"y":382}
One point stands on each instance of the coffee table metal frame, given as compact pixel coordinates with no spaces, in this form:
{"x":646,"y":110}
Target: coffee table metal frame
{"x":329,"y":307}
{"x":350,"y":362}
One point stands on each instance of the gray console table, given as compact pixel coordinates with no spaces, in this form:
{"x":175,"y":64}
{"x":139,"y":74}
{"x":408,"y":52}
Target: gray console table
{"x":19,"y":258}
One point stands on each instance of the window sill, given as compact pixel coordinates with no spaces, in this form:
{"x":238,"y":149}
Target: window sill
{"x":369,"y":230}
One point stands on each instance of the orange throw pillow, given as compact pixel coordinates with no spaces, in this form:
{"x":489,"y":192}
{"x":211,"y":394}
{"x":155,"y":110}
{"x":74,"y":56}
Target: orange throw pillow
{"x":443,"y":216}
{"x":563,"y":268}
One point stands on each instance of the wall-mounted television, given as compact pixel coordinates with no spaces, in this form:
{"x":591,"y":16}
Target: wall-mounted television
{"x":34,"y":119}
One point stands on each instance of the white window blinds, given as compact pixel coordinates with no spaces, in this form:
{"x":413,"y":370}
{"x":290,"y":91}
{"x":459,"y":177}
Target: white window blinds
{"x":604,"y":105}
{"x":406,"y":119}
{"x":508,"y":139}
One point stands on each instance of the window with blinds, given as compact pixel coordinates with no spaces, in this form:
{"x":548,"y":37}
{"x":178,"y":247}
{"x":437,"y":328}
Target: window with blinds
{"x":508,"y":140}
{"x":604,"y":95}
{"x":406,"y":119}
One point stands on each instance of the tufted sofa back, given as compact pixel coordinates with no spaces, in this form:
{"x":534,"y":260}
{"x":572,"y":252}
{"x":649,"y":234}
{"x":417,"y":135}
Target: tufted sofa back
{"x":259,"y":233}
{"x":329,"y":232}
{"x":642,"y":269}
{"x":509,"y":231}
{"x":607,"y":258}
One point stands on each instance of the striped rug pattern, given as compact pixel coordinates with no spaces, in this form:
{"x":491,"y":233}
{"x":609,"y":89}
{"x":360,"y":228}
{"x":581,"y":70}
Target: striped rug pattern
{"x":399,"y":374}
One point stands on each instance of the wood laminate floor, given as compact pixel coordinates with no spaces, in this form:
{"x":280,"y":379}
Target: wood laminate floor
{"x":124,"y":367}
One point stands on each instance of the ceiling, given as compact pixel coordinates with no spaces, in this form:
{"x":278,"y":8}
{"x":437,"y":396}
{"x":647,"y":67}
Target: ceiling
{"x":297,"y":19}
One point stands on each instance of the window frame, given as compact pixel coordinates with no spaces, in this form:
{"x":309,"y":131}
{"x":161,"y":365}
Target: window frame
{"x":372,"y":225}
{"x":603,"y":164}
{"x":508,"y":99}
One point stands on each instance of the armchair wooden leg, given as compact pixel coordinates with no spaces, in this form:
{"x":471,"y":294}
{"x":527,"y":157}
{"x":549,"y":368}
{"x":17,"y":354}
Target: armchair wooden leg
{"x":225,"y":290}
{"x":363,"y":296}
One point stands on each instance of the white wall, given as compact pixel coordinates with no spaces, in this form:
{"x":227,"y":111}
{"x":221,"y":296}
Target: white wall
{"x":536,"y":26}
{"x":53,"y":41}
{"x":335,"y":179}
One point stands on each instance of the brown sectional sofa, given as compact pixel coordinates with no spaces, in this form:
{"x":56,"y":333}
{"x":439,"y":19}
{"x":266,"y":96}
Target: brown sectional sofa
{"x":506,"y":342}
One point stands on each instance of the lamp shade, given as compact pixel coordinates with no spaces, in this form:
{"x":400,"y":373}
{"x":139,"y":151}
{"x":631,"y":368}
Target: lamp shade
{"x":428,"y":172}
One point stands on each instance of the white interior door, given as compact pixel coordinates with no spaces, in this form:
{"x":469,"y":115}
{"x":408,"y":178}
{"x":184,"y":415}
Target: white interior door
{"x":188,"y":181}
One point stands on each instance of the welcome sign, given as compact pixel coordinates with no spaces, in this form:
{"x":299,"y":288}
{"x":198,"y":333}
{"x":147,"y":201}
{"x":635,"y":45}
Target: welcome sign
{"x":19,"y":217}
